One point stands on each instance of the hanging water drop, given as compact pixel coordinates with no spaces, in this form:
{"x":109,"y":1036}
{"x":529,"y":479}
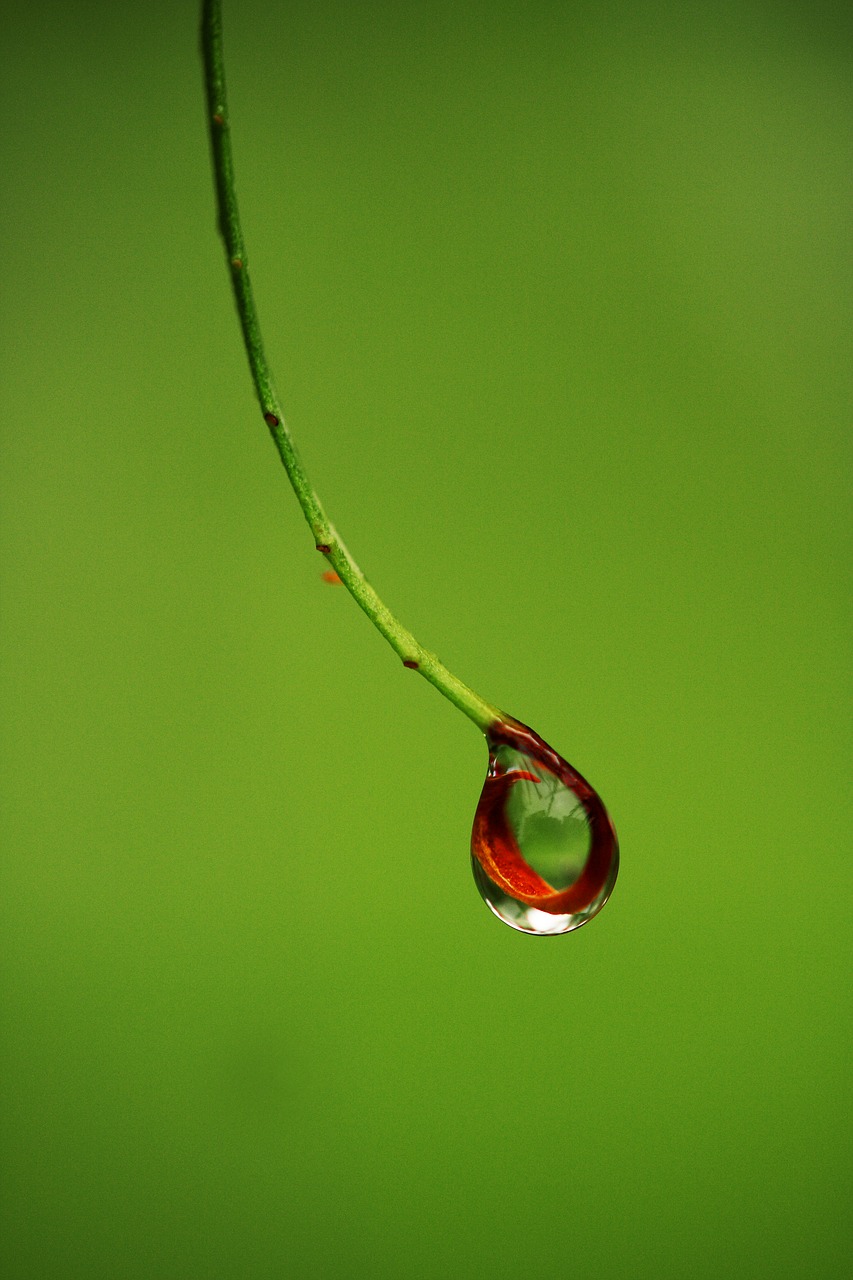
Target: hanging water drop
{"x":543,"y":849}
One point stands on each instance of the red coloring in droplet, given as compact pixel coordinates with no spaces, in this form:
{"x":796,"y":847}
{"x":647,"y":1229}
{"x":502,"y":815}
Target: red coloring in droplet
{"x":329,"y":575}
{"x":493,"y":840}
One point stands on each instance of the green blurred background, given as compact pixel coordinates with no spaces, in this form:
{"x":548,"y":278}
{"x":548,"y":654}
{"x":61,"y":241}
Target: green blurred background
{"x":558,"y":297}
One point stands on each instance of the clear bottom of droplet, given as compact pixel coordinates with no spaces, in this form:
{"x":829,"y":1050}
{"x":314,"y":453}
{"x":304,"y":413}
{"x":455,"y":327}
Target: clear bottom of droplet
{"x":527,"y":919}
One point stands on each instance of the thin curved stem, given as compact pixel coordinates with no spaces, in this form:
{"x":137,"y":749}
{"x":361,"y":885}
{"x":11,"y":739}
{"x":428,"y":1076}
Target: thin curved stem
{"x":326,"y":538}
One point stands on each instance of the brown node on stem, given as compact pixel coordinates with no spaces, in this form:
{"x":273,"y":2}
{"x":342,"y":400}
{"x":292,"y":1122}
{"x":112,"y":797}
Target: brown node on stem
{"x":411,"y":663}
{"x":270,"y":419}
{"x":218,"y":118}
{"x":323,"y":548}
{"x":237,"y":264}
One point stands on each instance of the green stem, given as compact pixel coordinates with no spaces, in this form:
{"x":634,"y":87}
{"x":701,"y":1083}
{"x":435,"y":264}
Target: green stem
{"x":326,"y":538}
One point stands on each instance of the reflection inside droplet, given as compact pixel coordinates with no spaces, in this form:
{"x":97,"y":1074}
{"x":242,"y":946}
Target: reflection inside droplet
{"x":543,"y":849}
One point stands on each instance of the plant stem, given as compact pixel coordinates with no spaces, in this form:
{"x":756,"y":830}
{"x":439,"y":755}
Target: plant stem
{"x":326,"y":538}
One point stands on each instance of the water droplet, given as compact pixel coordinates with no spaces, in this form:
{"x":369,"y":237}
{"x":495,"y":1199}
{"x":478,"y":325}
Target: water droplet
{"x":543,"y":848}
